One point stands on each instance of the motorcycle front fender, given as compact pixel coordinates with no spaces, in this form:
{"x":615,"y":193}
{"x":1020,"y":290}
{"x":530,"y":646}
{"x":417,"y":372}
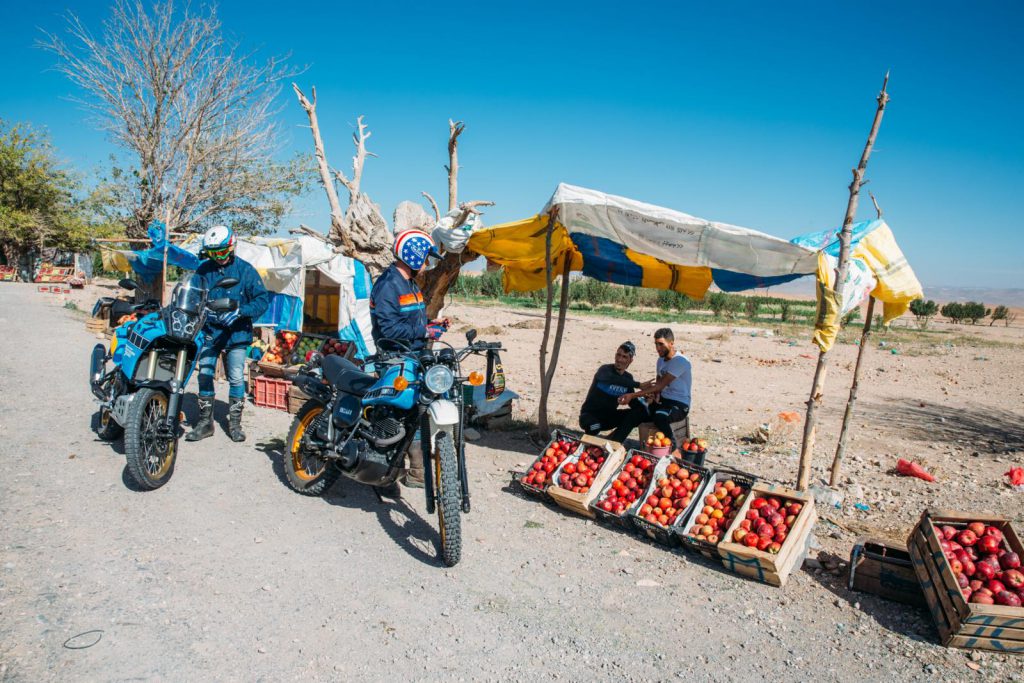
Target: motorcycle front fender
{"x":444,"y":415}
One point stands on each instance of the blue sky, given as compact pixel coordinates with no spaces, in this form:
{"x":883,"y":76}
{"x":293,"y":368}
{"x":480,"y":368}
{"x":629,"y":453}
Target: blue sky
{"x":749,"y":113}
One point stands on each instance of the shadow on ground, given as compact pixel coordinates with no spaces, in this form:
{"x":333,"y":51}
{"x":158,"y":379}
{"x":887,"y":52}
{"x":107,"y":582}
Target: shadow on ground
{"x":397,"y":518}
{"x":995,"y":430}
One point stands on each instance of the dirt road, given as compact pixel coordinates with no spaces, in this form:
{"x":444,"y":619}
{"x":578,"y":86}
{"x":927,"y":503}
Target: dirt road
{"x":226,"y":574}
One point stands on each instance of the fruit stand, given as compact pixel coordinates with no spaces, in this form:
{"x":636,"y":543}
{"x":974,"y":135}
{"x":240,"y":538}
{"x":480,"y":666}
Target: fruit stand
{"x":580,"y":477}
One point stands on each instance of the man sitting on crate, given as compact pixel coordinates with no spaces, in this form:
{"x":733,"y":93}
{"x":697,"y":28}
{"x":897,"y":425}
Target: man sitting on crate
{"x":600,"y":409}
{"x":230,"y":332}
{"x":670,"y":390}
{"x":398,"y":312}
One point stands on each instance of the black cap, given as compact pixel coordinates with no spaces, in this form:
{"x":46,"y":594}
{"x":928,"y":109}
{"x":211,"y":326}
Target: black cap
{"x":629,"y":347}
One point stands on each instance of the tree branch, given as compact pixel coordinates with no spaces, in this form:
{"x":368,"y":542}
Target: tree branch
{"x":433,"y":204}
{"x":455,"y":129}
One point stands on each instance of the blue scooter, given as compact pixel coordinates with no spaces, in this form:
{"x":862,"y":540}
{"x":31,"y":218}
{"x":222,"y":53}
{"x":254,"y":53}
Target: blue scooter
{"x":153,"y":359}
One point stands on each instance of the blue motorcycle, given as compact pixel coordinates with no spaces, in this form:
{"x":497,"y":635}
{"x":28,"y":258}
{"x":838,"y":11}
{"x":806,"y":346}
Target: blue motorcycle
{"x":153,"y":358}
{"x":360,"y":425}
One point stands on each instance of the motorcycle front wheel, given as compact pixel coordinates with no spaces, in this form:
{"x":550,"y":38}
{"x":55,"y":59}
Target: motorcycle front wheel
{"x":150,"y":457}
{"x":106,"y":428}
{"x":448,"y":492}
{"x":306,"y":472}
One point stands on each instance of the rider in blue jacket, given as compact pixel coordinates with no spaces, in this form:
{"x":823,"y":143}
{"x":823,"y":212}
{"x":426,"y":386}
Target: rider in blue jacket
{"x":230,"y":332}
{"x":398,"y":312}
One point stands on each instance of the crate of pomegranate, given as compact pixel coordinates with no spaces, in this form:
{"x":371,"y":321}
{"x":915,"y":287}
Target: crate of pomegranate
{"x":539,"y":475}
{"x":969,"y":569}
{"x":625,"y":488}
{"x":720,"y":500}
{"x":668,"y":500}
{"x":770,"y":534}
{"x":579,"y":478}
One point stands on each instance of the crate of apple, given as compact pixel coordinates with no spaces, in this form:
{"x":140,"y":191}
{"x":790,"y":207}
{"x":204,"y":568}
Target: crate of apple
{"x":986,"y":569}
{"x":539,"y":476}
{"x":668,"y":499}
{"x":721,"y":498}
{"x":581,"y":477}
{"x":767,"y":524}
{"x":625,"y":489}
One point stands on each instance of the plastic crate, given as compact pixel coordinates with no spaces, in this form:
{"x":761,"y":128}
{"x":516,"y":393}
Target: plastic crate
{"x":271,"y":392}
{"x":666,"y":535}
{"x":622,"y":520}
{"x":558,"y":435}
{"x":704,"y":548}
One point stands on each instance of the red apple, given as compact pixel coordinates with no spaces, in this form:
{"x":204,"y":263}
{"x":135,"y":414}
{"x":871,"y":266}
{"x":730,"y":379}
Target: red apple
{"x":988,"y":544}
{"x":982,"y":599}
{"x":976,"y":584}
{"x":1013,"y":578}
{"x":995,"y":585}
{"x":969,"y":567}
{"x":1007,"y":598}
{"x":948,"y":531}
{"x":963,"y":581}
{"x":967,"y":594}
{"x":1009,"y":560}
{"x":984,"y":570}
{"x":967,"y":537}
{"x":977,"y":527}
{"x":994,"y":531}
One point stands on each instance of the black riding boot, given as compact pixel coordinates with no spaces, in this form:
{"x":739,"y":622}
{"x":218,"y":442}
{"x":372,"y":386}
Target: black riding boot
{"x":204,"y":427}
{"x":235,"y":419}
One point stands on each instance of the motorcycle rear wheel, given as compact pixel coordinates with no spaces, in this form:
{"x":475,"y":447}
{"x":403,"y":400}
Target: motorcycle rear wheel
{"x":306,"y":473}
{"x":449,"y":505}
{"x":150,"y":464}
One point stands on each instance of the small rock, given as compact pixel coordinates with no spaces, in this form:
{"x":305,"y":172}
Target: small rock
{"x":647,"y":583}
{"x":471,"y":434}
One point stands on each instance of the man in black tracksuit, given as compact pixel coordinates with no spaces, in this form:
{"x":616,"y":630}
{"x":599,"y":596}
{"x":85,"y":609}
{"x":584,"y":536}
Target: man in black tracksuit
{"x":600,"y":409}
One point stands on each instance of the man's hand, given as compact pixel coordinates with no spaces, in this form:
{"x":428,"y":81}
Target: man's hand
{"x":437,"y":327}
{"x":626,"y":398}
{"x":227,"y":318}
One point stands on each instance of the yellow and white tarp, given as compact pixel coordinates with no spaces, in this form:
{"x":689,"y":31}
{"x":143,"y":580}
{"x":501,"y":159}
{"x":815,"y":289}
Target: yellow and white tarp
{"x":620,"y":240}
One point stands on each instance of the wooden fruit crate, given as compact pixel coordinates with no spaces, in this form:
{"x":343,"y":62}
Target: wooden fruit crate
{"x":557,"y":435}
{"x":960,"y":623}
{"x":580,"y":502}
{"x":885,"y":570}
{"x":296,"y":399}
{"x":666,"y":535}
{"x":764,"y":566}
{"x":696,"y":545}
{"x":96,"y":325}
{"x":623,"y":520}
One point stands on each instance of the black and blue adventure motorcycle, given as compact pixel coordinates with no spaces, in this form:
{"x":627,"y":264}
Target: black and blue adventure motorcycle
{"x":152,"y":360}
{"x":360,"y":425}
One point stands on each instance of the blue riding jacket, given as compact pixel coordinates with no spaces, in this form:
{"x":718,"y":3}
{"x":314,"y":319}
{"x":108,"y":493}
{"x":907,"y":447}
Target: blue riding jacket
{"x":252,"y":297}
{"x":397,"y":310}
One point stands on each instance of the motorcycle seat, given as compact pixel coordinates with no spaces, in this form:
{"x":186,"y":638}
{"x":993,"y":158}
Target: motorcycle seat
{"x":346,"y":376}
{"x":120,"y":308}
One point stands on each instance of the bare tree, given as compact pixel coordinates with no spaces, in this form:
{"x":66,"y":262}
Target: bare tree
{"x":361,"y":231}
{"x":194,"y":111}
{"x":436,"y":282}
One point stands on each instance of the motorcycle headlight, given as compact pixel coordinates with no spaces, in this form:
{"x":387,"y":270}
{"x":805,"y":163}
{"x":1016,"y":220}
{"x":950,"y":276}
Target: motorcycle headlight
{"x":438,"y":379}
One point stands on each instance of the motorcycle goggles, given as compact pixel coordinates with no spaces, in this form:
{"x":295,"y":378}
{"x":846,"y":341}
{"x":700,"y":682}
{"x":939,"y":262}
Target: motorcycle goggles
{"x":220,"y":255}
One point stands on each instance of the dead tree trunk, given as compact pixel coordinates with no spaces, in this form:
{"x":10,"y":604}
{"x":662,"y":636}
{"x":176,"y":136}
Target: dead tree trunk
{"x":820,"y":372}
{"x":436,"y":282}
{"x":360,"y":232}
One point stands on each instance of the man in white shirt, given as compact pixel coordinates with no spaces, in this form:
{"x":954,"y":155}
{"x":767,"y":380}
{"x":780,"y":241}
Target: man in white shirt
{"x":670,"y":390}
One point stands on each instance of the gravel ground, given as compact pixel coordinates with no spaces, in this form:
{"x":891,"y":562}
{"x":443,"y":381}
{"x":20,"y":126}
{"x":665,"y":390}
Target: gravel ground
{"x":226,"y":574}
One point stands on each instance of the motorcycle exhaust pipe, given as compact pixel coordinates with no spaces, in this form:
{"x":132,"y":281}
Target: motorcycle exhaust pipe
{"x":391,"y":440}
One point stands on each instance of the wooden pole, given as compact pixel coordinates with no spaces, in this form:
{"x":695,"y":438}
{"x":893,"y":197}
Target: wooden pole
{"x":542,"y":408}
{"x":820,"y":372}
{"x":852,"y":400}
{"x":563,"y":307}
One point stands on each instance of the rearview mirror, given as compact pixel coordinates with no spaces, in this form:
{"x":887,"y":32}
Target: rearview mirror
{"x":470,"y":336}
{"x":222,"y":305}
{"x":227,"y":282}
{"x":128,"y":283}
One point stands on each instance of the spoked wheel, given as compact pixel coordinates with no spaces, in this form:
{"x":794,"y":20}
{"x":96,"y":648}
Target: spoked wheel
{"x":307,"y":473}
{"x":446,"y":487}
{"x":106,"y":428}
{"x":150,"y":455}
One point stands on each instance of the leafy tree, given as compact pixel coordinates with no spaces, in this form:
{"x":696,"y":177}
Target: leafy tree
{"x":923,"y":311}
{"x":975,"y":311}
{"x":954,"y":311}
{"x":40,"y":206}
{"x":999,"y":313}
